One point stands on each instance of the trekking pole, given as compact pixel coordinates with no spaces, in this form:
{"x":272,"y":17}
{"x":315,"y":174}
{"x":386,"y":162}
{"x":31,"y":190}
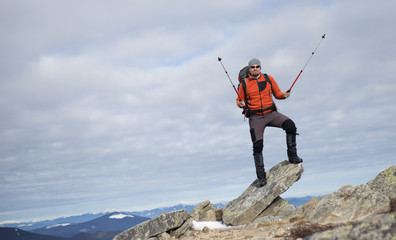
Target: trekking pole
{"x":229,"y":78}
{"x":239,"y":96}
{"x":324,"y":35}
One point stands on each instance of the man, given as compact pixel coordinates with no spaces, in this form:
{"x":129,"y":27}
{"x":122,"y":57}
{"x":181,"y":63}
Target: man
{"x":256,"y":95}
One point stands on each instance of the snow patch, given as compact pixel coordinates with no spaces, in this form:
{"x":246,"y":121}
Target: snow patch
{"x":9,"y":222}
{"x":120,"y":216}
{"x":25,"y":225}
{"x":212,"y":225}
{"x":59,"y":225}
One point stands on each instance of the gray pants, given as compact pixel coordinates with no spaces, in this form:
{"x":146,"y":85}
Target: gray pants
{"x":258,"y":123}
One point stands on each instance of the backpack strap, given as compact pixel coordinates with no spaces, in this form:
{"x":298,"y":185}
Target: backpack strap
{"x":252,"y":112}
{"x":243,"y":82}
{"x":267,"y":79}
{"x":273,"y":106}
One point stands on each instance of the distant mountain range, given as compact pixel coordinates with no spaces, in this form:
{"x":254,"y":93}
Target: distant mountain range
{"x":17,"y":234}
{"x":40,"y":224}
{"x":299,"y":201}
{"x":99,"y":226}
{"x":113,"y":222}
{"x":153,"y":213}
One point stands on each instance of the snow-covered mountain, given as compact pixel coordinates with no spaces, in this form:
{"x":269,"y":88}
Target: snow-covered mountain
{"x":153,"y":213}
{"x":27,"y":226}
{"x":113,"y":222}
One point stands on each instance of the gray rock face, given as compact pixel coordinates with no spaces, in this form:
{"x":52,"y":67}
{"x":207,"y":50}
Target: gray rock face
{"x":204,"y":211}
{"x":381,"y":226}
{"x":385,"y":182}
{"x":279,"y":209}
{"x":354,"y":203}
{"x":163,"y":223}
{"x":255,"y":200}
{"x":347,"y":204}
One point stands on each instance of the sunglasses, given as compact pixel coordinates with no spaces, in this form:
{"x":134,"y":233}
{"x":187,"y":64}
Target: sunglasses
{"x":253,"y":67}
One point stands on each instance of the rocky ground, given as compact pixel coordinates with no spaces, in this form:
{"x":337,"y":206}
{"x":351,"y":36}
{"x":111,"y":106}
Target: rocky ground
{"x":381,"y":226}
{"x":367,"y":211}
{"x":288,"y":229}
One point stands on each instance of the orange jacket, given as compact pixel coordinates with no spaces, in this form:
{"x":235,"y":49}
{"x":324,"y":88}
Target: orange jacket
{"x":259,"y":93}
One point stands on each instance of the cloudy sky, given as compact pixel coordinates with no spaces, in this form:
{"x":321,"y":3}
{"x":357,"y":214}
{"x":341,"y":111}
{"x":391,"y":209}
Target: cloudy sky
{"x":124,"y":105}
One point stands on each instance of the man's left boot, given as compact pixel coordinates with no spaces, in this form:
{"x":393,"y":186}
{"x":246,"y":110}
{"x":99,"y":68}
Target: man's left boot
{"x":291,"y":149}
{"x":260,"y":171}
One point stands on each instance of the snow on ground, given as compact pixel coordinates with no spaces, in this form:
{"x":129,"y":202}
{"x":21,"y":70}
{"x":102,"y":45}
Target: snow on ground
{"x":212,"y":225}
{"x":120,"y":216}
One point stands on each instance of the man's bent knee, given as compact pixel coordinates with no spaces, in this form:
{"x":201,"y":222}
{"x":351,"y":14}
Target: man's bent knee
{"x":289,"y":126}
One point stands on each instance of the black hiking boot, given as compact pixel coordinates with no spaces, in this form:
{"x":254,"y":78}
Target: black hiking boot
{"x":291,"y":149}
{"x":262,"y":182}
{"x":260,"y":171}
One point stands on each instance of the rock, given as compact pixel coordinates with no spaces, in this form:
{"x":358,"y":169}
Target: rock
{"x":279,"y":209}
{"x":162,"y":236}
{"x":204,"y":211}
{"x":382,"y":226}
{"x":267,"y":219}
{"x":254,"y":200}
{"x":163,"y":223}
{"x":187,"y":225}
{"x":354,"y":203}
{"x":385,"y":182}
{"x":347,"y":204}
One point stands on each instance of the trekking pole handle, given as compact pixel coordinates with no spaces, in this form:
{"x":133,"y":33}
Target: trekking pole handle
{"x":294,"y":81}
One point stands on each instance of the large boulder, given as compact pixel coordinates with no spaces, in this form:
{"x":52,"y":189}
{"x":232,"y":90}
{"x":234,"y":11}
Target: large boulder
{"x":254,"y":200}
{"x":154,"y":227}
{"x":382,"y":226}
{"x":354,"y":203}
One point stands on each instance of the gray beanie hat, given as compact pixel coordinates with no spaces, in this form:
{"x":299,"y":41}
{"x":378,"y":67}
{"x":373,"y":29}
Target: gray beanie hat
{"x":254,"y":61}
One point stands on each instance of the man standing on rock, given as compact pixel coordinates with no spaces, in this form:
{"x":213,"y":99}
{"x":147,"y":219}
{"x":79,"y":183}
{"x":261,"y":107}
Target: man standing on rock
{"x":256,"y":97}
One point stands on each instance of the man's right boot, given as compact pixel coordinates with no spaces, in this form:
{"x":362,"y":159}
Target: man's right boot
{"x":292,"y":149}
{"x":260,"y":171}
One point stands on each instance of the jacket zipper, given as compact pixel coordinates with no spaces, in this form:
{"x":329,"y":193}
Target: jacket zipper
{"x":261,"y":100}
